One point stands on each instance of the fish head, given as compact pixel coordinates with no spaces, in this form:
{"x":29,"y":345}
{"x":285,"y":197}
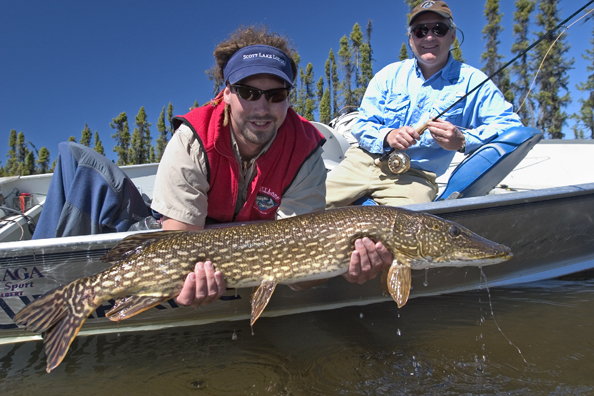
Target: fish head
{"x":427,"y":241}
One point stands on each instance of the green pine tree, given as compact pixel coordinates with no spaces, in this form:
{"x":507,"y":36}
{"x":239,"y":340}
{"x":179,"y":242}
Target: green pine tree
{"x":553,"y":77}
{"x":403,"y":53}
{"x":345,"y":57}
{"x":457,"y":51}
{"x":140,"y":143}
{"x":325,"y":107}
{"x":170,"y":119}
{"x":297,"y":92}
{"x":11,"y":163}
{"x":98,"y":145}
{"x":491,"y":56}
{"x":43,"y":160}
{"x":162,"y":139}
{"x":29,"y":166}
{"x":334,"y":82}
{"x":21,"y":148}
{"x":356,"y":42}
{"x":521,"y":85}
{"x":86,"y":134}
{"x":310,"y":94}
{"x":122,"y":138}
{"x":585,"y":117}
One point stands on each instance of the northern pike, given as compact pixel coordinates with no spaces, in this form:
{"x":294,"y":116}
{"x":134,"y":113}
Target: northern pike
{"x":150,"y":268}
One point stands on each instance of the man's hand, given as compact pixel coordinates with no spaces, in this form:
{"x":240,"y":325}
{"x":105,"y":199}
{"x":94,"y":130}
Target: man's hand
{"x":446,"y":134}
{"x":367,"y":261}
{"x":202,"y":287}
{"x":402,"y":138}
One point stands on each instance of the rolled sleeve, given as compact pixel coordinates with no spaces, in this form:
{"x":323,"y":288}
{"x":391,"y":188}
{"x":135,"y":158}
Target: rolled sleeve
{"x":181,"y":185}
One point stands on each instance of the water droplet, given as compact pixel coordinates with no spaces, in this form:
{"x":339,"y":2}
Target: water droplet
{"x":426,"y":283}
{"x":361,"y":315}
{"x":398,"y":332}
{"x":234,"y":336}
{"x":197,"y":384}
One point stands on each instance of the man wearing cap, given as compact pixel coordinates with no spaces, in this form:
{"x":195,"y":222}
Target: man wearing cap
{"x":403,"y":96}
{"x":247,"y":156}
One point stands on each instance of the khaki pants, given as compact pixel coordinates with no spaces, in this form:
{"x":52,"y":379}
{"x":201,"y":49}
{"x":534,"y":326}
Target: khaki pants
{"x":358,"y":176}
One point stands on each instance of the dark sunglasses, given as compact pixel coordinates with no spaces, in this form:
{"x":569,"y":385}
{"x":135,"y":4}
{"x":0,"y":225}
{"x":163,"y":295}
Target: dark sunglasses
{"x":246,"y":92}
{"x":439,"y":30}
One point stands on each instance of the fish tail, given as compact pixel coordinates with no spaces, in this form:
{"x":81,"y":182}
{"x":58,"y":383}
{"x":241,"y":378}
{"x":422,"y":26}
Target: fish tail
{"x":58,"y":316}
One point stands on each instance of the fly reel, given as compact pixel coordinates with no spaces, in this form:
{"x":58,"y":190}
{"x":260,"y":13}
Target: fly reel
{"x":398,"y":162}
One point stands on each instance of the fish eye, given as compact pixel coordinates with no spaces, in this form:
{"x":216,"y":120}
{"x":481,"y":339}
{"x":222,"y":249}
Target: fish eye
{"x":455,"y":231}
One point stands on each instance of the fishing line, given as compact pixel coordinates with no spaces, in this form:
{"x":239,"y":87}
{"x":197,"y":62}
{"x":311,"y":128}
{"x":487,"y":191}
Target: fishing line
{"x":547,"y":54}
{"x":493,"y":316}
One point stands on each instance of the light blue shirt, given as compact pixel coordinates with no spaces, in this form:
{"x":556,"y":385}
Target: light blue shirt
{"x":398,"y":95}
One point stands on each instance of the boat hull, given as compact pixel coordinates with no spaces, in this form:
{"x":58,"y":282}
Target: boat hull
{"x":550,"y":231}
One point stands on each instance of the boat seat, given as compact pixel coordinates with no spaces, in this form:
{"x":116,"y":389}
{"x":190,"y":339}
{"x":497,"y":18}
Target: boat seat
{"x":487,"y":166}
{"x":334,"y":148}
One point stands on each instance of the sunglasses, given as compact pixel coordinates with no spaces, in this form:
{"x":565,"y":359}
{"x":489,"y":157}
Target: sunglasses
{"x":439,"y":30}
{"x":246,"y":92}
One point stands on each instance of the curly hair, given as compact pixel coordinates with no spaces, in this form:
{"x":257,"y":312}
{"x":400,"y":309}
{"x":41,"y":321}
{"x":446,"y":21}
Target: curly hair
{"x":250,"y":35}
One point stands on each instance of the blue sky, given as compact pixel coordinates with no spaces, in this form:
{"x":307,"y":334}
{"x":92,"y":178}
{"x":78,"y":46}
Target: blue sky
{"x":65,"y":63}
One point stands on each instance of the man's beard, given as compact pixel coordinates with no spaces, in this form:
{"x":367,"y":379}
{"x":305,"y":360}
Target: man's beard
{"x":259,"y":138}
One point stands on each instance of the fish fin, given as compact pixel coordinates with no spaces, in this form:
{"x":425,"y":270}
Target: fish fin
{"x":134,"y":244}
{"x":260,"y":297}
{"x":43,"y":312}
{"x":59,"y":318}
{"x":58,"y":338}
{"x":399,"y":279}
{"x":128,"y":306}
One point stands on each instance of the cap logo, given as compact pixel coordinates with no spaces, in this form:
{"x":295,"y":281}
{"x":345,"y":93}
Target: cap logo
{"x":428,"y":4}
{"x":261,"y":55}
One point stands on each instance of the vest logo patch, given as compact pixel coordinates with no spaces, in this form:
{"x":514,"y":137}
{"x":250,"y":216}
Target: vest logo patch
{"x":266,"y":199}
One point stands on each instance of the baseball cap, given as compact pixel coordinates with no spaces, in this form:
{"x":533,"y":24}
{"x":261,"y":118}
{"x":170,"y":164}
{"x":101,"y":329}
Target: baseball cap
{"x":258,"y":59}
{"x":438,"y":7}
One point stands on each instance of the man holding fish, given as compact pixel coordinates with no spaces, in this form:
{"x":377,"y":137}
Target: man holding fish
{"x":247,"y":156}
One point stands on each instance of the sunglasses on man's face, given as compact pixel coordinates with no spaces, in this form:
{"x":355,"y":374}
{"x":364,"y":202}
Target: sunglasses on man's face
{"x":439,"y":30}
{"x":246,"y":92}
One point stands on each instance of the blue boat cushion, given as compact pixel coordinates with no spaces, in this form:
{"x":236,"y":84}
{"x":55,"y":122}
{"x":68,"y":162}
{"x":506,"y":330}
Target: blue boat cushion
{"x":486,"y":167}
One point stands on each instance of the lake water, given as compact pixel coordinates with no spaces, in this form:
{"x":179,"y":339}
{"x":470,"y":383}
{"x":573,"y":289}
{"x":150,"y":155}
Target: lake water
{"x":530,"y":339}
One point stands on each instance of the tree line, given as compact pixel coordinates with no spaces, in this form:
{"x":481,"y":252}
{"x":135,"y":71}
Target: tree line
{"x":347,"y":73}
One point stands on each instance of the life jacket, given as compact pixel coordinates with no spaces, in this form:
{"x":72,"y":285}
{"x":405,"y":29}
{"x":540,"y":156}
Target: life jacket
{"x":295,"y":141}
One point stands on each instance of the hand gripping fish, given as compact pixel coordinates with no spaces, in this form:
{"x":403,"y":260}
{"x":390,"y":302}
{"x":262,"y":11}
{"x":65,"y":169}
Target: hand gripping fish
{"x":150,"y":268}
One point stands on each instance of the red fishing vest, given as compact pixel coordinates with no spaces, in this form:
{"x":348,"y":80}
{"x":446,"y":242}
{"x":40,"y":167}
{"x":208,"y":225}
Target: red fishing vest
{"x":275,"y":170}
